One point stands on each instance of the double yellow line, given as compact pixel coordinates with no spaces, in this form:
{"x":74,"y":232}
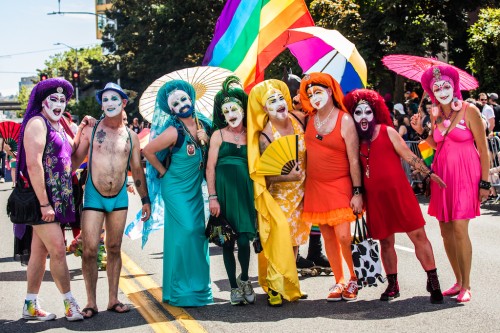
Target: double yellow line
{"x":147,"y":297}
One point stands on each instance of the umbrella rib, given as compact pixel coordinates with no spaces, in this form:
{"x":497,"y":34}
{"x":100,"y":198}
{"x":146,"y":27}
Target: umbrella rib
{"x":329,"y":61}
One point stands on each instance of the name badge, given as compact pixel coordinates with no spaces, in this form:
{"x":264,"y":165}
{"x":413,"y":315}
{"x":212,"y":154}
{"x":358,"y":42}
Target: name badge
{"x":462,"y":127}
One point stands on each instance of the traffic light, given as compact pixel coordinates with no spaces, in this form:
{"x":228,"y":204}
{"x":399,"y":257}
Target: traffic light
{"x":43,"y":77}
{"x":75,"y":75}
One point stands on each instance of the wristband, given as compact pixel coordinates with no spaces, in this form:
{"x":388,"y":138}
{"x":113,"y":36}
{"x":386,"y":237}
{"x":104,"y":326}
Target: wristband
{"x":357,"y":190}
{"x":146,"y":200}
{"x":212,"y":198}
{"x":212,"y":195}
{"x":484,"y":185}
{"x":46,"y":205}
{"x":425,"y":134}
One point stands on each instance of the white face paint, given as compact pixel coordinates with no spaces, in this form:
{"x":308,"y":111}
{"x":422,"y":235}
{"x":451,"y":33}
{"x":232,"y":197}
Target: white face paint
{"x":233,"y":113}
{"x":443,"y":91}
{"x":112,"y":103}
{"x":179,"y":101}
{"x":318,"y":96}
{"x":363,"y":115}
{"x":276,"y":106}
{"x":54,"y":106}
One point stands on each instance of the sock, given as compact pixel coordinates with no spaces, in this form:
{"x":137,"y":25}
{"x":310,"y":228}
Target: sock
{"x":67,"y":295}
{"x":31,"y":297}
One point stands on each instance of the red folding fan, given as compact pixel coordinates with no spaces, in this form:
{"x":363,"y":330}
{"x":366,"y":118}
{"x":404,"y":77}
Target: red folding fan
{"x":9,"y":131}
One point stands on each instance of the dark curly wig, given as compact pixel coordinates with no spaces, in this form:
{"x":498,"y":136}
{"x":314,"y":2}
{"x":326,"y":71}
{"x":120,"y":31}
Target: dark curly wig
{"x":376,"y":102}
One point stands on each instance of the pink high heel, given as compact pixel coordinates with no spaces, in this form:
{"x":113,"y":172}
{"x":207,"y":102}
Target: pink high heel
{"x":453,"y":291}
{"x":464,"y":296}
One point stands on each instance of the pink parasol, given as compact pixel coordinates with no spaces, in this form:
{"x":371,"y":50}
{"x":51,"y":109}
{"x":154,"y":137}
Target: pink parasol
{"x":412,"y":67}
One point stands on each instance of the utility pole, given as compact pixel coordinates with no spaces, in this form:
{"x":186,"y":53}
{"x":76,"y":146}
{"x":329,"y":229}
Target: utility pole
{"x":77,"y":78}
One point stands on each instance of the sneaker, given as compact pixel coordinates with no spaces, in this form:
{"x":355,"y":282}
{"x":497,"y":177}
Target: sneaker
{"x":350,"y":293}
{"x":335,"y":294}
{"x":2,"y":180}
{"x":247,"y":290}
{"x":237,"y":296}
{"x":274,"y":298}
{"x":33,"y":311}
{"x":72,"y":310}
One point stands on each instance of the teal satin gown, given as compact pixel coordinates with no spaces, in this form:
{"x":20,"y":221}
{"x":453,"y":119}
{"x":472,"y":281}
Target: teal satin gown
{"x":186,"y":268}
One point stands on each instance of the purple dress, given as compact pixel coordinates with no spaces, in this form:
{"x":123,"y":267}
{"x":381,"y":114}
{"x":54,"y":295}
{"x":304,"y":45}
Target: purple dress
{"x":457,"y":162}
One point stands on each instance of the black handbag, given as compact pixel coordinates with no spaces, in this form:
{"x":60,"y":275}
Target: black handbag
{"x":23,"y":206}
{"x":220,"y":232}
{"x":257,"y":245}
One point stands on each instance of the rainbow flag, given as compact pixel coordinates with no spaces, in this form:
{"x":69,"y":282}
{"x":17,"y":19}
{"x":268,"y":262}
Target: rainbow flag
{"x":427,"y":152}
{"x":250,"y":33}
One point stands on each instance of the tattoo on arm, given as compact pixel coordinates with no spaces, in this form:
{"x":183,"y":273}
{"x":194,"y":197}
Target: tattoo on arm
{"x":419,"y":165}
{"x":138,"y":183}
{"x":100,"y":136}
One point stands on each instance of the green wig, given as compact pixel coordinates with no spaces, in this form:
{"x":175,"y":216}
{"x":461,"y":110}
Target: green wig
{"x":229,"y":94}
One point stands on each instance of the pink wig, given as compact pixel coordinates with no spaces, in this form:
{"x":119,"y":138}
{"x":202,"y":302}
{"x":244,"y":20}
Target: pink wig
{"x":376,"y":102}
{"x":438,"y":73}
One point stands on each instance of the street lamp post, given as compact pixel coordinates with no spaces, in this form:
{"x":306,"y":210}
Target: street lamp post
{"x":76,"y":68}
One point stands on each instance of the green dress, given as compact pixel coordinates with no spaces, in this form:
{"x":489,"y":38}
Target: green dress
{"x":186,"y":270}
{"x":235,"y":188}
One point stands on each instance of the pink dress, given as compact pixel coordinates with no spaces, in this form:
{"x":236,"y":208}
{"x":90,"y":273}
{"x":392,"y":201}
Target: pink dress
{"x":457,"y":162}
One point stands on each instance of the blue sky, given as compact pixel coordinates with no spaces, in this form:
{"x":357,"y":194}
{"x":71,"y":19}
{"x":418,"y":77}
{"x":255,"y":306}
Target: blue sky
{"x":28,"y":35}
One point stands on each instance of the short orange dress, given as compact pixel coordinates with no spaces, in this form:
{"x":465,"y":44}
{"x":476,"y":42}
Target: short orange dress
{"x":328,"y":190}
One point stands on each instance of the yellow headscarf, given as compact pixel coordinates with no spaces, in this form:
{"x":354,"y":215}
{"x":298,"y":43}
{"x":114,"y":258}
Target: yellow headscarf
{"x":277,"y":268}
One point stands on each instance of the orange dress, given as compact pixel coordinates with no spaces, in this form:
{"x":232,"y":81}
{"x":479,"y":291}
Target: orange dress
{"x":328,"y":189}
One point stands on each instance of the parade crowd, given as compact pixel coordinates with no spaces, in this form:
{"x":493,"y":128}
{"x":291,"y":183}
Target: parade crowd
{"x":348,"y":153}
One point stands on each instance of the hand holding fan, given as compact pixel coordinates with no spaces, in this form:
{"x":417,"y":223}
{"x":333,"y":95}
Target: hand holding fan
{"x":280,"y":157}
{"x":9,"y":131}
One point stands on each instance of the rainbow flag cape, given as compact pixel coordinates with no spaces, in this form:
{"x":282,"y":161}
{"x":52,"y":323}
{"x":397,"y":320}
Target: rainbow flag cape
{"x":427,"y":152}
{"x":250,"y":33}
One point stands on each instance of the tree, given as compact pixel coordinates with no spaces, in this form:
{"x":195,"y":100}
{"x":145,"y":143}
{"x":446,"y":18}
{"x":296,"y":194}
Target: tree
{"x":23,"y":98}
{"x":484,"y":41}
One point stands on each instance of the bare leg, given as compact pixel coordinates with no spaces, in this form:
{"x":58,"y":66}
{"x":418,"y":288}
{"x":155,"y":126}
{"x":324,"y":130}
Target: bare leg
{"x":92,"y":222}
{"x":463,"y":250}
{"x":51,"y":237}
{"x":343,"y":234}
{"x":115,"y":224}
{"x":295,"y":251}
{"x":450,"y":248}
{"x":36,"y":265}
{"x":333,"y":252}
{"x":423,"y":248}
{"x":388,"y":254}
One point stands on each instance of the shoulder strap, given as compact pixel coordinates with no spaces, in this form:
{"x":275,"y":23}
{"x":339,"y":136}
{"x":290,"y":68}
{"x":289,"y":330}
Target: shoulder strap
{"x":265,"y":135}
{"x":298,"y":119}
{"x":180,"y":138}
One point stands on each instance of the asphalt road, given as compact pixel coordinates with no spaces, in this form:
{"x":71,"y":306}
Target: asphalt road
{"x":141,"y":281}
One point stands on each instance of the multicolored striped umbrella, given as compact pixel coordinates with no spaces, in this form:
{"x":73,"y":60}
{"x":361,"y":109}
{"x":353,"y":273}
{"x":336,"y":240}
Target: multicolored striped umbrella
{"x":328,"y":51}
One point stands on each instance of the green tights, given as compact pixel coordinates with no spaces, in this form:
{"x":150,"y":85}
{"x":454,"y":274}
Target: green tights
{"x":243,"y":257}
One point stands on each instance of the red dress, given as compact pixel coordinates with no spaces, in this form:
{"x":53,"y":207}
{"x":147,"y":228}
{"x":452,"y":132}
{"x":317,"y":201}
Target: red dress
{"x":391,"y":205}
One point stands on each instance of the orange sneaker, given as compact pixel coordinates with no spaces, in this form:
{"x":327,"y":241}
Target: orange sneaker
{"x":350,"y":293}
{"x":335,"y":294}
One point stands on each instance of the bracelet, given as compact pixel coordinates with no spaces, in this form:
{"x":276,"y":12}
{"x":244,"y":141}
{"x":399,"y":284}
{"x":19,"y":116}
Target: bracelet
{"x":146,"y":200}
{"x":47,"y":205}
{"x":357,"y":190}
{"x":212,"y":197}
{"x":484,"y":185}
{"x":425,"y":134}
{"x":428,"y":175}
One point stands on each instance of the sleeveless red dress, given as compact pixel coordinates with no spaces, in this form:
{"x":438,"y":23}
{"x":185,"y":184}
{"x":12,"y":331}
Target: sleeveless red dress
{"x":391,"y":205}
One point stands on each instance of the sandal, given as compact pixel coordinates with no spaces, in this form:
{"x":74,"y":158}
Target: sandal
{"x":93,"y":312}
{"x":114,"y":308}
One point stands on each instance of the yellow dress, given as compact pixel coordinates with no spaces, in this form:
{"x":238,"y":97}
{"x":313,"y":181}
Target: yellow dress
{"x":290,"y":195}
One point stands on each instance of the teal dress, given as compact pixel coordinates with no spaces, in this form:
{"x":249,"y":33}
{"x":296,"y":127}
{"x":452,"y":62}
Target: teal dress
{"x":235,"y":188}
{"x":186,"y":270}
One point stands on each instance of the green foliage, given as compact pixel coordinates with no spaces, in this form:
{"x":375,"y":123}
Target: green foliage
{"x":23,"y":98}
{"x":484,"y":42}
{"x":86,"y":106}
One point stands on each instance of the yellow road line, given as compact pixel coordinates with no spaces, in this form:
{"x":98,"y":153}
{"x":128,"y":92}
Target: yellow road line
{"x":181,"y":315}
{"x":156,"y":318}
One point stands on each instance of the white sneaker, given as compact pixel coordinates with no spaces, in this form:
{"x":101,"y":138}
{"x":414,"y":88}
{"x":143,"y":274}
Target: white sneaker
{"x":72,"y":310}
{"x":246,"y":288}
{"x":32,"y":311}
{"x":2,"y":180}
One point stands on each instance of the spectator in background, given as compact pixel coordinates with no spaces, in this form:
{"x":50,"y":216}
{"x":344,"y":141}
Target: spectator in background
{"x":400,"y":127}
{"x":135,"y":126}
{"x":413,"y":104}
{"x":399,"y":109}
{"x":493,"y":98}
{"x":487,"y":111}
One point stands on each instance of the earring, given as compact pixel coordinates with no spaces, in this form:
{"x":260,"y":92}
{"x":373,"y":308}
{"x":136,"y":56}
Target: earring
{"x":435,"y":110}
{"x":456,"y":105}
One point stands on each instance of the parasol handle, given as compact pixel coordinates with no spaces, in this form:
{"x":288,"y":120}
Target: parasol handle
{"x":199,"y":127}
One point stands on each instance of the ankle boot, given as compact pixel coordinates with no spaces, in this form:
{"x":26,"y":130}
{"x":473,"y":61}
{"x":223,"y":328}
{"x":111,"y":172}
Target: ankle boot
{"x":392,"y":290}
{"x":315,"y":248}
{"x":434,"y":287}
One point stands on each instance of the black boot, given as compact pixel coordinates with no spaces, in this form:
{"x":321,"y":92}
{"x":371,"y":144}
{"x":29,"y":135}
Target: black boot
{"x":315,"y":252}
{"x":434,"y":287}
{"x":304,"y":263}
{"x":392,"y":290}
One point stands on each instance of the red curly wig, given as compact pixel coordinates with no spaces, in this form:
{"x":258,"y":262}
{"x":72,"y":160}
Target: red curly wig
{"x":376,"y":102}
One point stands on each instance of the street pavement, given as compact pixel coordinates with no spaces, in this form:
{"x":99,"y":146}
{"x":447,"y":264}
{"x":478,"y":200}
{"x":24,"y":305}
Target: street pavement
{"x":141,"y":280}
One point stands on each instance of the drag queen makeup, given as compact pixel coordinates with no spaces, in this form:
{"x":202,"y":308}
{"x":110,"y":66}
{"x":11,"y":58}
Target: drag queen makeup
{"x":318,"y":96}
{"x":233,"y":113}
{"x":276,"y":106}
{"x":180,"y":103}
{"x":111,"y":103}
{"x":365,"y":121}
{"x":443,"y":91}
{"x":54,"y":105}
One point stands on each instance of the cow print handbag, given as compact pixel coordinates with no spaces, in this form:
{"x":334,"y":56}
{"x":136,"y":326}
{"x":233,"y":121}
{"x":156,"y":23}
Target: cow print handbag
{"x":365,"y":256}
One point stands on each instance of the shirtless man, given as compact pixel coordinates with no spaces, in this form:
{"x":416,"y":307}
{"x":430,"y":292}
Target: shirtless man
{"x":111,"y":147}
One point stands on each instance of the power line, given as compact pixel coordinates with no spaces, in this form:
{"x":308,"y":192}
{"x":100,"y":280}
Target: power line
{"x":39,"y":51}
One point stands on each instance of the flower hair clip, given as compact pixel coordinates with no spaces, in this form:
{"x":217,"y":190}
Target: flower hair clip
{"x":436,"y":73}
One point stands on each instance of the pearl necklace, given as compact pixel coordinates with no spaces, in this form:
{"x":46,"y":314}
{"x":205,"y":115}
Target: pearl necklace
{"x":319,"y":123}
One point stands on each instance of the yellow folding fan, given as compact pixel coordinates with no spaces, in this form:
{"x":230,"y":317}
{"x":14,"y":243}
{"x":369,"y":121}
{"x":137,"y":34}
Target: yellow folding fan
{"x":280,"y":157}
